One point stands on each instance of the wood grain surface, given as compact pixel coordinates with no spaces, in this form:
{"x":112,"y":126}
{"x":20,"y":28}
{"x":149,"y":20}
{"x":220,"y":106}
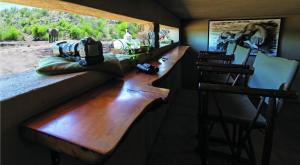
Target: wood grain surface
{"x":97,"y":120}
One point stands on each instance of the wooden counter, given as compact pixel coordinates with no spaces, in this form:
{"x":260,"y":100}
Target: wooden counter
{"x":90,"y":126}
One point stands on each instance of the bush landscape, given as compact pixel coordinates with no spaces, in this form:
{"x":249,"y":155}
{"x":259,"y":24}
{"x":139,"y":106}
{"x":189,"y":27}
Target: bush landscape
{"x":32,"y":24}
{"x":24,"y":36}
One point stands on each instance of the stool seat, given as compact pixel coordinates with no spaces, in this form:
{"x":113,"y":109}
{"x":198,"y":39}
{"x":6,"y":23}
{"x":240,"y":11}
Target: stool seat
{"x":235,"y":108}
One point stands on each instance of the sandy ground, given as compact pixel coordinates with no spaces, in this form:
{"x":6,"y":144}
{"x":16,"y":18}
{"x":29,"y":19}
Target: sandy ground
{"x":22,"y":55}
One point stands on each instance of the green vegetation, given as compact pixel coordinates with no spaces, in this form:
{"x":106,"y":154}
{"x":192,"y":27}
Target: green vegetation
{"x":39,"y":32}
{"x":15,"y":24}
{"x":10,"y":33}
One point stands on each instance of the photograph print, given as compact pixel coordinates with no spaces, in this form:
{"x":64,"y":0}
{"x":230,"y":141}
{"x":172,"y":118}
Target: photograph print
{"x":257,"y":34}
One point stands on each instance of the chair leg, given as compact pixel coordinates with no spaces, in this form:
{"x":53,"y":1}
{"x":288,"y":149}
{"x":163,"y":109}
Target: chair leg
{"x":233,"y":139}
{"x":238,"y":153}
{"x":268,"y":142}
{"x":211,"y":127}
{"x":267,"y":148}
{"x":227,"y":136}
{"x":203,"y":126}
{"x":251,"y":153}
{"x":224,"y":126}
{"x":245,"y":142}
{"x":233,"y":133}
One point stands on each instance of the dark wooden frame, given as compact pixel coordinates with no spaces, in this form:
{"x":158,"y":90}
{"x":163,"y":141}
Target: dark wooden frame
{"x":282,"y":20}
{"x":205,"y":88}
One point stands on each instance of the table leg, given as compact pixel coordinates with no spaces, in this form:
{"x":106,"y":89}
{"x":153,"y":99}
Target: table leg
{"x":55,"y":159}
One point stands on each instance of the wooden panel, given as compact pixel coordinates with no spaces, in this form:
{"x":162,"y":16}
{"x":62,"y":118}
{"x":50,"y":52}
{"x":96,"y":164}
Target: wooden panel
{"x":71,"y":7}
{"x":193,"y":9}
{"x":98,"y":119}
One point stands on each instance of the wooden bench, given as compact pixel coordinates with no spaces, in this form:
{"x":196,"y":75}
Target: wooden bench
{"x":91,"y":126}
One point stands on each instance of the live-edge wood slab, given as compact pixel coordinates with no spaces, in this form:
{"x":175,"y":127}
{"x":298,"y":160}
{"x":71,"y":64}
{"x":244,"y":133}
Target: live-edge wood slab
{"x":90,"y":126}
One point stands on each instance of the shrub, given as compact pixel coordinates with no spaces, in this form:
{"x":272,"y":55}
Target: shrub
{"x":64,"y":25}
{"x":24,"y":23}
{"x":35,"y":22}
{"x":62,"y":35}
{"x":100,"y":23}
{"x":88,"y":30}
{"x":76,"y":32}
{"x":121,"y":29}
{"x":27,"y":30}
{"x":43,"y":12}
{"x":1,"y":35}
{"x":99,"y":36}
{"x":112,"y":32}
{"x":25,"y":12}
{"x":39,"y":32}
{"x":11,"y":34}
{"x":133,"y":29}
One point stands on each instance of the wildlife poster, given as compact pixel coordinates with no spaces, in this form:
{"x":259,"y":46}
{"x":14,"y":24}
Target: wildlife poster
{"x":257,"y":34}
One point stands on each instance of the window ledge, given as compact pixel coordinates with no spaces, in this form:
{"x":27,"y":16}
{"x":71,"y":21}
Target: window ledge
{"x":20,"y":83}
{"x":17,"y":84}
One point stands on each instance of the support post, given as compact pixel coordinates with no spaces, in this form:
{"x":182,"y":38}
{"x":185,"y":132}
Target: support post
{"x":156,"y":32}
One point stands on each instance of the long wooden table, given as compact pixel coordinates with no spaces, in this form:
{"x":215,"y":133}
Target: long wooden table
{"x":91,"y":126}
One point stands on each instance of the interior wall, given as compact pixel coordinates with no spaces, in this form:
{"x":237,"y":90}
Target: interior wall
{"x":195,"y":34}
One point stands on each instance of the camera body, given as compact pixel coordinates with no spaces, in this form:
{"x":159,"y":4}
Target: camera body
{"x":147,"y":68}
{"x":87,"y":51}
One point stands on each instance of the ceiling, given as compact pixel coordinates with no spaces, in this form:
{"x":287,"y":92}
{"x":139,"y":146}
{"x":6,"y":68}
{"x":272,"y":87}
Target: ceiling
{"x":193,"y":9}
{"x":71,"y":6}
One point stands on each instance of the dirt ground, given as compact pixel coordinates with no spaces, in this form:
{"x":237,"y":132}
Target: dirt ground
{"x":19,"y":56}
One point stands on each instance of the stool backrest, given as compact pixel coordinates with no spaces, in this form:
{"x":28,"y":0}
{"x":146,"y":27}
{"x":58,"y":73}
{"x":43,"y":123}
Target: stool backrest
{"x":230,"y":48}
{"x":272,"y":72}
{"x":241,"y":55}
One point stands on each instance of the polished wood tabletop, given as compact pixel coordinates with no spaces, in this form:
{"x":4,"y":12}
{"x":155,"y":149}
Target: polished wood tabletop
{"x":97,"y":120}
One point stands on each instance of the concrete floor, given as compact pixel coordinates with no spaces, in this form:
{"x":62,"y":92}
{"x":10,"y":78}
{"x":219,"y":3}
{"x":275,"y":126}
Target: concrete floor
{"x":176,"y":143}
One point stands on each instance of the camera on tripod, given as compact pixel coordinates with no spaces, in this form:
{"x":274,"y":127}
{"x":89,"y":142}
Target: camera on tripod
{"x":87,"y":51}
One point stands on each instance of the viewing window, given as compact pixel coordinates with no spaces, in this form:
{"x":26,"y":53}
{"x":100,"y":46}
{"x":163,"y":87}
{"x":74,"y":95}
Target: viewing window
{"x":25,"y":32}
{"x":168,"y":35}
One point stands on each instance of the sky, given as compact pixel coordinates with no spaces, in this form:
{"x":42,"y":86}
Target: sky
{"x":4,"y":5}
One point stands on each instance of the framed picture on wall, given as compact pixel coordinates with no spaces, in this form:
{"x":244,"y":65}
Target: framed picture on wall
{"x":257,"y":34}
